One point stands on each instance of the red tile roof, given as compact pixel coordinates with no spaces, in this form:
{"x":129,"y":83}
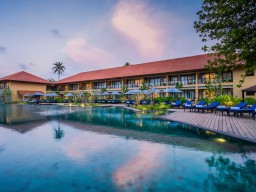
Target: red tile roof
{"x":158,"y":67}
{"x":23,"y":92}
{"x":24,"y":77}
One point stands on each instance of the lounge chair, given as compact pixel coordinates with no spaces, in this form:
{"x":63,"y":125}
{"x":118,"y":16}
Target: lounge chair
{"x":249,"y":110}
{"x":167,"y":102}
{"x":224,"y":108}
{"x":211,"y":107}
{"x":192,"y":107}
{"x":176,"y":104}
{"x":187,"y":103}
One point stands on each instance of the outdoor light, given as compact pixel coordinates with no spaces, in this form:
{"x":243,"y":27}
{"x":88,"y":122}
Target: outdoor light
{"x":220,"y":140}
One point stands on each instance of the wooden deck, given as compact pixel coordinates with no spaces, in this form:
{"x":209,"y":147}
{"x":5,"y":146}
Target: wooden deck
{"x":242,"y":127}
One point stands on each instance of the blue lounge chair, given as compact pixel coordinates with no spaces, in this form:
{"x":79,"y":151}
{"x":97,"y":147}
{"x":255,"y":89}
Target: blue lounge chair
{"x":192,"y":107}
{"x":187,"y":103}
{"x":211,"y":107}
{"x":249,"y":110}
{"x":223,"y":108}
{"x":177,"y":103}
{"x":167,"y":102}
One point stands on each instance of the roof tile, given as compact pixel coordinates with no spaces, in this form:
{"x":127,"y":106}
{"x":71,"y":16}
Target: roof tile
{"x":158,"y":67}
{"x":24,"y":77}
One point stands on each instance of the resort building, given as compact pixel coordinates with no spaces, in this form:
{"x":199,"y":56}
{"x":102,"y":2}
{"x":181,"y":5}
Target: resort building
{"x":189,"y":72}
{"x":22,"y":85}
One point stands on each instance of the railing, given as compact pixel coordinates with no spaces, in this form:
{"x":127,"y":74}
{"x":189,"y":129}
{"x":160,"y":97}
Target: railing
{"x":73,"y":88}
{"x":99,"y":87}
{"x":183,"y":82}
{"x":113,"y":86}
{"x":156,"y":84}
{"x":131,"y":85}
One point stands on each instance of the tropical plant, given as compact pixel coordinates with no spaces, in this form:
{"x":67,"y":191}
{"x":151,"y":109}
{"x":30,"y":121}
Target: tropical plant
{"x":178,"y":85}
{"x":7,"y":93}
{"x":230,"y":27}
{"x":103,"y":89}
{"x":214,"y":87}
{"x":144,"y":86}
{"x":58,"y":68}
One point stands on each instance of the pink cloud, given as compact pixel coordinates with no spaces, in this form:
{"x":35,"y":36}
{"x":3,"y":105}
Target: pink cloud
{"x":141,"y":164}
{"x":139,"y":24}
{"x":79,"y":51}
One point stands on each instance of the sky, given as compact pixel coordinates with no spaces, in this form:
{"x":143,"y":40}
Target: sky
{"x":94,"y":34}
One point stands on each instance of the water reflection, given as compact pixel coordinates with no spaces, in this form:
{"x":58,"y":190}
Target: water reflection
{"x":229,"y":175}
{"x":117,"y":150}
{"x":58,"y":132}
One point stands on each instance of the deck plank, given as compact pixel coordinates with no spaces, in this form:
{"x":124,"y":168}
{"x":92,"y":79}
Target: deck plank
{"x":239,"y":127}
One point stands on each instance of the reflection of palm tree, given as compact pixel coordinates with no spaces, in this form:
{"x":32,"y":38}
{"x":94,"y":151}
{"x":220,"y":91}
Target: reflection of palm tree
{"x":58,"y":133}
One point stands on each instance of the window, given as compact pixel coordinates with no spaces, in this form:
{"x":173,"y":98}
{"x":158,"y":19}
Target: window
{"x":227,"y":77}
{"x":187,"y":79}
{"x":157,"y":81}
{"x":188,"y":94}
{"x":100,"y":85}
{"x":133,"y":83}
{"x":174,"y":80}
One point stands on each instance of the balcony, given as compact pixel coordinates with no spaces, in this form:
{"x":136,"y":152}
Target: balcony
{"x":114,"y":87}
{"x":99,"y":87}
{"x":156,"y":84}
{"x":133,"y":85}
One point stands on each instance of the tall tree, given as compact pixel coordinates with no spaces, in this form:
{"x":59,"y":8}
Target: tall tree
{"x":59,"y":68}
{"x":127,"y":64}
{"x":230,"y":27}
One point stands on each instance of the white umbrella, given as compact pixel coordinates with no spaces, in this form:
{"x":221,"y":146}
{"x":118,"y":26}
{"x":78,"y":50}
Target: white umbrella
{"x":172,"y":90}
{"x":38,"y":94}
{"x":115,"y":93}
{"x":48,"y":95}
{"x":54,"y":95}
{"x":69,"y":95}
{"x":105,"y":94}
{"x":133,"y":92}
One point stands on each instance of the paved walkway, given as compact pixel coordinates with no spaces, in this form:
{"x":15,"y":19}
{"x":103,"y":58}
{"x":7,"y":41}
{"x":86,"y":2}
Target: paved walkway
{"x":242,"y":127}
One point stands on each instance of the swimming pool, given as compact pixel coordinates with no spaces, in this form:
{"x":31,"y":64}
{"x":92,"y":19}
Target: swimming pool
{"x":56,"y":148}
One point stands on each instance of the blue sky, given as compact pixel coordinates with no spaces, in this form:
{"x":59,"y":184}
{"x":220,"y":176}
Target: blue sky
{"x":94,"y":34}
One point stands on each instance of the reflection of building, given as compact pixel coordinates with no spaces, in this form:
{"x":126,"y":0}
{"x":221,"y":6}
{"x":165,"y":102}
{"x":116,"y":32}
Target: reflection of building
{"x":188,"y":71}
{"x":23,"y":84}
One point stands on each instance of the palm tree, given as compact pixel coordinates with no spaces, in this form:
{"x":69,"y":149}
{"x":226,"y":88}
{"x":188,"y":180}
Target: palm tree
{"x":58,"y":68}
{"x":127,"y":64}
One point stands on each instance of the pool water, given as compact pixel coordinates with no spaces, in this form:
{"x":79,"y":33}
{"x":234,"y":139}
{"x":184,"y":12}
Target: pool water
{"x":56,"y":148}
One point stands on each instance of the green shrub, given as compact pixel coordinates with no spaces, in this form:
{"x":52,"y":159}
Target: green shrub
{"x":60,"y":100}
{"x":250,"y":101}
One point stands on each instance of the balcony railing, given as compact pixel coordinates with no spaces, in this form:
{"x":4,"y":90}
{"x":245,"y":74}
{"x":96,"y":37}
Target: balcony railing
{"x":156,"y":84}
{"x":113,"y":86}
{"x":73,"y":88}
{"x":131,"y":85}
{"x":183,"y":82}
{"x":99,"y":87}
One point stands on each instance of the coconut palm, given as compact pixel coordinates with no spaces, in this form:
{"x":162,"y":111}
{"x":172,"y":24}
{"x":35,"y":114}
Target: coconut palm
{"x":58,"y":68}
{"x":127,"y":64}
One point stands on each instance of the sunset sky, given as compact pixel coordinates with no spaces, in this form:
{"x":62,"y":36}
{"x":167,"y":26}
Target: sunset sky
{"x":93,"y":34}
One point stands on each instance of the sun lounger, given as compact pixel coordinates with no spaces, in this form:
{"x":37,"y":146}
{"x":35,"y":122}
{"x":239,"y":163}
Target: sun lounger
{"x":224,"y":108}
{"x":211,"y":107}
{"x":192,"y":107}
{"x":176,"y":104}
{"x":249,"y":110}
{"x":187,"y":103}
